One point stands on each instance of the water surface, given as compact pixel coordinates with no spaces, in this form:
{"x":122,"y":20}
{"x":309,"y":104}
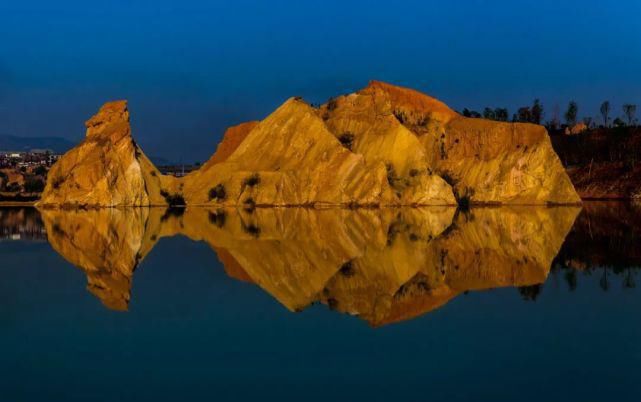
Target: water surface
{"x":295,"y":304}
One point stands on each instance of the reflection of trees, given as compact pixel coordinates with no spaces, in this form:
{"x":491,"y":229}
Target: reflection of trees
{"x":603,"y":282}
{"x":530,"y":293}
{"x":605,"y":240}
{"x":628,"y":282}
{"x":571,"y":279}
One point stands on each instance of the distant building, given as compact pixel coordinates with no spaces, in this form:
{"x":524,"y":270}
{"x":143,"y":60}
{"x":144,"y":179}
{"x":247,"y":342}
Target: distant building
{"x":34,"y":157}
{"x":177,"y":170}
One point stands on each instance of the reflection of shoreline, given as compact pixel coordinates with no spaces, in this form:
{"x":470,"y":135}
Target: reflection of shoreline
{"x":21,"y":224}
{"x":605,"y":240}
{"x":383,"y":265}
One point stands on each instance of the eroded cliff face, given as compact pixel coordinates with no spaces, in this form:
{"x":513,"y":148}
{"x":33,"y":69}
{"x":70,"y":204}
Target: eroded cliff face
{"x":289,"y":159}
{"x":383,"y":265}
{"x":383,"y":146}
{"x":485,"y":161}
{"x":364,"y":124}
{"x":232,"y":138}
{"x":107,"y":168}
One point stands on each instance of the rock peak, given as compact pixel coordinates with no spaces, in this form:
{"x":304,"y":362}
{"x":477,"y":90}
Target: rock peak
{"x":383,"y":145}
{"x":410,"y":100}
{"x":112,"y":114}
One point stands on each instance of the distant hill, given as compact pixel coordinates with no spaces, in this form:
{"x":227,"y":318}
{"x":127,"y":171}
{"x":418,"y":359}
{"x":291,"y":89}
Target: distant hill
{"x":14,"y":143}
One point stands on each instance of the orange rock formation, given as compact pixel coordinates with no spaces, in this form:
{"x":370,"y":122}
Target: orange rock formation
{"x":383,"y":145}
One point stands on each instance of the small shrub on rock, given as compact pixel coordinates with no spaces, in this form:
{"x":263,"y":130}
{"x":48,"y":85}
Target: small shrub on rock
{"x":174,"y":200}
{"x":347,"y":140}
{"x":218,"y":193}
{"x":252,"y":180}
{"x":251,"y":229}
{"x":249,"y":204}
{"x":218,"y":218}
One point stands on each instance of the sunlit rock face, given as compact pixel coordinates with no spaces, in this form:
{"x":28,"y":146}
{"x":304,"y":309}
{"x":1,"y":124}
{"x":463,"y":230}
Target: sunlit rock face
{"x":364,"y":123}
{"x":485,"y":161}
{"x":383,"y":265}
{"x":106,"y":169}
{"x":290,"y":158}
{"x":383,"y":146}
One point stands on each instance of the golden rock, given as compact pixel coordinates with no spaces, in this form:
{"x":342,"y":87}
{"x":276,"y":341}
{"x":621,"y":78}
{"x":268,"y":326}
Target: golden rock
{"x":485,"y":161}
{"x":381,"y":146}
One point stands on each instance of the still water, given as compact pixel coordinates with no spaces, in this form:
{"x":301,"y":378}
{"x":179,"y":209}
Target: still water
{"x":434,"y":304}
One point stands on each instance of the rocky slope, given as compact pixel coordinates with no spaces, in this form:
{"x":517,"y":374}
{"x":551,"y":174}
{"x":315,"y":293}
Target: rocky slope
{"x":485,"y":161}
{"x":607,"y":180}
{"x":106,"y":169}
{"x":603,"y":162}
{"x":383,"y":145}
{"x":290,"y":158}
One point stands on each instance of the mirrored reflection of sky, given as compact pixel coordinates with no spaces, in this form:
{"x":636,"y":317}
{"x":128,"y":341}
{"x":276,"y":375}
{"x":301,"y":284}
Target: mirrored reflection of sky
{"x":192,"y":68}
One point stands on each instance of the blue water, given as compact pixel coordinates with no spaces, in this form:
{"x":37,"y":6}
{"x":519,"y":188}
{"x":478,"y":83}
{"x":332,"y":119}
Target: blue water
{"x":193,"y":333}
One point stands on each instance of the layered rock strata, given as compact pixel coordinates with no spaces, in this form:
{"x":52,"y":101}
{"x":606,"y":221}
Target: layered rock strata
{"x":485,"y":161}
{"x":381,"y":146}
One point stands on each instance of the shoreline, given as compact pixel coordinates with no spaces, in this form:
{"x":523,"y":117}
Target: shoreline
{"x":32,"y":204}
{"x":17,"y":203}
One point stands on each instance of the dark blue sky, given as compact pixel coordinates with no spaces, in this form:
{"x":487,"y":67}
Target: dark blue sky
{"x":191,"y":68}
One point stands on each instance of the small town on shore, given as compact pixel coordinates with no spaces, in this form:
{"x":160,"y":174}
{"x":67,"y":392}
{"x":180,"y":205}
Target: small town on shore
{"x":23,"y":174}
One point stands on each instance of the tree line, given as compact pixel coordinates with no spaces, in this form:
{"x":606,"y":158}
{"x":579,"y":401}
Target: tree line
{"x":536,"y":112}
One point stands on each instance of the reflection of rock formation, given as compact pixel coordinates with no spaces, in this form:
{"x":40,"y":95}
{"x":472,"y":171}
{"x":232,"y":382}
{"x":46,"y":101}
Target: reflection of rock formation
{"x":107,"y":244}
{"x":383,"y":265}
{"x":483,"y":249}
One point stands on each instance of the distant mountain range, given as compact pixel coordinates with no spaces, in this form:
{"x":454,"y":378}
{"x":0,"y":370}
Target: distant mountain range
{"x":15,"y":143}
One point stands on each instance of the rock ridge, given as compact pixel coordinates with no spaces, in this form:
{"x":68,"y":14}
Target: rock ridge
{"x":381,"y":146}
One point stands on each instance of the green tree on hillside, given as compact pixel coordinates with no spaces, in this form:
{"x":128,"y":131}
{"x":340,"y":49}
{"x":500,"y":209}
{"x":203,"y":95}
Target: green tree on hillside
{"x":537,"y":112}
{"x":618,"y":122}
{"x":605,"y":112}
{"x":571,"y":112}
{"x":524,"y":114}
{"x":488,"y":113}
{"x":630,"y":110}
{"x":40,"y":171}
{"x":501,"y":114}
{"x":471,"y":113}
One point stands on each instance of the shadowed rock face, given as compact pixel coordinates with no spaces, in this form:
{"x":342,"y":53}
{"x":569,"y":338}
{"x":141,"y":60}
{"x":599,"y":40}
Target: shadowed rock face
{"x":383,"y":145}
{"x":233,"y":137}
{"x":383,"y":265}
